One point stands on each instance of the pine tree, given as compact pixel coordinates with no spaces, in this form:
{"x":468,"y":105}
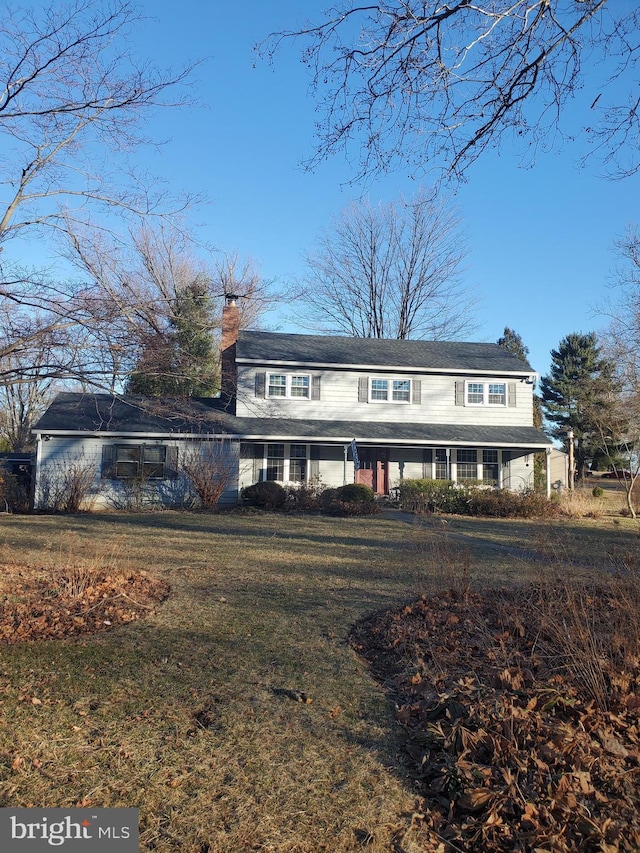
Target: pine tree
{"x":579,"y":385}
{"x":181,"y":360}
{"x":512,"y":342}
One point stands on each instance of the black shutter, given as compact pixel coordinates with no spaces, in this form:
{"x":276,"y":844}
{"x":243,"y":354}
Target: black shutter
{"x":416,"y":397}
{"x":511,"y":394}
{"x":460,"y":393}
{"x":171,"y":463}
{"x":427,"y":459}
{"x":314,"y":463}
{"x":363,"y":389}
{"x":258,"y":457}
{"x":261,"y":384}
{"x":108,"y":469}
{"x":315,"y":387}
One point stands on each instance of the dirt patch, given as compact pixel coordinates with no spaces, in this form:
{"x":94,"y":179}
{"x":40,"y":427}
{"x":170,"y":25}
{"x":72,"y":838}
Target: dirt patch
{"x":39,"y":603}
{"x":520,"y":736}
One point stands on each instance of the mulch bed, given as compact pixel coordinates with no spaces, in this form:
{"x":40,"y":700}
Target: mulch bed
{"x":42,"y":603}
{"x":508,"y":749}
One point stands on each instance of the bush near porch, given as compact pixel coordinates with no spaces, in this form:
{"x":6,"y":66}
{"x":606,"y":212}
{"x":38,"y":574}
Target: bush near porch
{"x":473,"y":499}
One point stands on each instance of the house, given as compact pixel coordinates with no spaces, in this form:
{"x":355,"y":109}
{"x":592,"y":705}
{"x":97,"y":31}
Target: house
{"x":294,"y":408}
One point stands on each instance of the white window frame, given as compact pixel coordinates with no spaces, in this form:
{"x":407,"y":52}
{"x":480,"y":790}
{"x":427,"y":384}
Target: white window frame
{"x":472,"y":463}
{"x":485,"y":384}
{"x":286,"y":460}
{"x":390,"y":380}
{"x":289,"y":377}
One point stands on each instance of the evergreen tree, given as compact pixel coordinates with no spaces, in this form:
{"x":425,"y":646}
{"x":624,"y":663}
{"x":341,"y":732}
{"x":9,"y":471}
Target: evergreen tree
{"x":180,"y":361}
{"x":512,"y":342}
{"x":579,"y":385}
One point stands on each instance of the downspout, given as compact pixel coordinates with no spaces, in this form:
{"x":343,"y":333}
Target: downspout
{"x":548,"y":471}
{"x":36,"y":472}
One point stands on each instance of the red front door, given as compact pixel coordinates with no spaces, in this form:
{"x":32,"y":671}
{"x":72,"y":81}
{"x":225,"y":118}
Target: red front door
{"x":374,"y":470}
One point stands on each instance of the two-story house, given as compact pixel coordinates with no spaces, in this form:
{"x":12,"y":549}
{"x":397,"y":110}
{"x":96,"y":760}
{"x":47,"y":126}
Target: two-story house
{"x":297,"y":408}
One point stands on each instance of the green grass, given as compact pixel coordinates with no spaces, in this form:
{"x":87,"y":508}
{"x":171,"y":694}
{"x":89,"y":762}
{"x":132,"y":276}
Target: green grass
{"x":178,"y":715}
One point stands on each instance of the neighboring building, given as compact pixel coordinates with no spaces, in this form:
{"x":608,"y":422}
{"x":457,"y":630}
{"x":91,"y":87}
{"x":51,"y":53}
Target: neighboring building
{"x":558,"y":469}
{"x":291,"y":407}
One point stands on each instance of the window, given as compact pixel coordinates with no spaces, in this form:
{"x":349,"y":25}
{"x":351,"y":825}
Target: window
{"x":390,"y":390}
{"x":277,"y":385}
{"x":467,"y":465}
{"x":298,"y":463}
{"x":275,"y":462}
{"x":497,"y":394}
{"x":140,"y":460}
{"x":288,"y":385}
{"x":490,"y":467}
{"x":486,"y":394}
{"x":442,"y":465}
{"x":287,"y":462}
{"x":379,"y":389}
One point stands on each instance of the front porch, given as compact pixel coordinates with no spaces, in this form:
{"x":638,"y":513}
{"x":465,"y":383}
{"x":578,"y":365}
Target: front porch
{"x":382,"y":466}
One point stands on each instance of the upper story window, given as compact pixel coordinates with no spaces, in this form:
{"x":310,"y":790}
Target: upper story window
{"x":390,"y":390}
{"x":296,"y":385}
{"x":486,"y":394}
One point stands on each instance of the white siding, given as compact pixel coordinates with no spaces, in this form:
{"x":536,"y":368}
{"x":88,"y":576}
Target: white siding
{"x":339,"y":401}
{"x":58,"y":456}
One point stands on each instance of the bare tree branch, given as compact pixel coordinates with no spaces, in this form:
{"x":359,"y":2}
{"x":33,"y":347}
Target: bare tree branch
{"x":414,"y":83}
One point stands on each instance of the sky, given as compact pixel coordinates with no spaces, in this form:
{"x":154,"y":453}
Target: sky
{"x":540,"y":239}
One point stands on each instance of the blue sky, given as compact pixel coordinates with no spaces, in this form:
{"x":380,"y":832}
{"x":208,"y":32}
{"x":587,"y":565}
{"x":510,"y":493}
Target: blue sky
{"x":540,"y":239}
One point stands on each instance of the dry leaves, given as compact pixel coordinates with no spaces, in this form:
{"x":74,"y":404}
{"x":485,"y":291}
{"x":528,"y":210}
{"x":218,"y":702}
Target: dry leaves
{"x":509,"y":747}
{"x":40,"y":603}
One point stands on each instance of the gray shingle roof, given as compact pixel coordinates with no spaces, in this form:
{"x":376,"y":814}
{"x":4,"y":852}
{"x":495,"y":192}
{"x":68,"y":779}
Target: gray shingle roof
{"x":263,"y":347}
{"x":102,"y":413}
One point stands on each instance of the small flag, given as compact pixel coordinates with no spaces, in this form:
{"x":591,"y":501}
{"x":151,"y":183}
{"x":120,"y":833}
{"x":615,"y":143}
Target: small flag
{"x":354,"y":454}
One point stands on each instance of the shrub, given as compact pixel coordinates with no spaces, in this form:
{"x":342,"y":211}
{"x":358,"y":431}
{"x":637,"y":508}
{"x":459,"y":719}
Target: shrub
{"x":209,"y":469}
{"x":352,"y":508}
{"x":265,"y":495}
{"x":68,"y":484}
{"x":355,"y":493}
{"x":432,"y":496}
{"x":468,"y":499}
{"x":502,"y":503}
{"x":304,"y":497}
{"x":597,"y":491}
{"x":14,"y":495}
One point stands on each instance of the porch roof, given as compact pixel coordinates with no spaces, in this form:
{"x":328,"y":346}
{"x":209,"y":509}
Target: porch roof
{"x":77,"y":414}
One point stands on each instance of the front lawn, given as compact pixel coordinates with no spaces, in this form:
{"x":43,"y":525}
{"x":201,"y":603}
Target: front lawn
{"x":200,"y":714}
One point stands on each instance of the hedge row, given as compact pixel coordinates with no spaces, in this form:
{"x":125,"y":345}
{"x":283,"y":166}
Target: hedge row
{"x":471,"y":499}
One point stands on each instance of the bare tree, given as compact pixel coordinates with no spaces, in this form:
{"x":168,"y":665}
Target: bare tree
{"x":620,"y":435}
{"x":133,"y":303}
{"x":623,"y":334}
{"x":616,"y":434}
{"x":70,"y":88}
{"x":415,"y":82}
{"x":389,"y":271}
{"x":72,"y":104}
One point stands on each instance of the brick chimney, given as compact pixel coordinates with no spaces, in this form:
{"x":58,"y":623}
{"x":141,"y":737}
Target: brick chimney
{"x":229,"y":373}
